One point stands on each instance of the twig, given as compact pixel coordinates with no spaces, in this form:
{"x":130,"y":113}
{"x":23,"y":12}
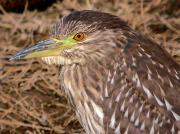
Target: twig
{"x":18,"y":124}
{"x":168,"y":25}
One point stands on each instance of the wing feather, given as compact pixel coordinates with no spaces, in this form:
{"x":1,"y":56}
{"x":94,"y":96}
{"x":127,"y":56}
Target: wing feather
{"x":156,"y":75}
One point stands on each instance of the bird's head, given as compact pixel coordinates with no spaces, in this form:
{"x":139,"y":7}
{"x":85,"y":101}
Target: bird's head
{"x":77,"y":38}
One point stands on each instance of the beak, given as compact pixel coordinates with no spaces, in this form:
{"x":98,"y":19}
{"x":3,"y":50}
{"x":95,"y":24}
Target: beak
{"x":49,"y":47}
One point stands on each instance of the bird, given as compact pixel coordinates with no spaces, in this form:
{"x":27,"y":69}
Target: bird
{"x":117,"y":80}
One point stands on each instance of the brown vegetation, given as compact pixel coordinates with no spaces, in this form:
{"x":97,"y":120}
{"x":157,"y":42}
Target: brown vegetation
{"x":31,"y":101}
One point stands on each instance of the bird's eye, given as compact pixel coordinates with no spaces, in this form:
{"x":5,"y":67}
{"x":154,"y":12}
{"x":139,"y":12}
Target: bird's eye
{"x":79,"y":36}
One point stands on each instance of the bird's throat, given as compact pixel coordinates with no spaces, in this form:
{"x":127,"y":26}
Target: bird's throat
{"x":61,"y":60}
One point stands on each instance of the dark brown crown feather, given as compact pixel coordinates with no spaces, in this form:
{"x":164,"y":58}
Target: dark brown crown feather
{"x":101,"y":19}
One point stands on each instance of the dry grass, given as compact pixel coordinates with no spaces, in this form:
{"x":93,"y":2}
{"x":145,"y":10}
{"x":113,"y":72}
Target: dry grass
{"x":31,"y":101}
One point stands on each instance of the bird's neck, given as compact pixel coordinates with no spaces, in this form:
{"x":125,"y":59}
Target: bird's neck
{"x":83,"y":82}
{"x":83,"y":85}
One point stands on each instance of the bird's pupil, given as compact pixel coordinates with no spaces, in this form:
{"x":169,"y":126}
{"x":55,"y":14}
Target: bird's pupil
{"x":79,"y":36}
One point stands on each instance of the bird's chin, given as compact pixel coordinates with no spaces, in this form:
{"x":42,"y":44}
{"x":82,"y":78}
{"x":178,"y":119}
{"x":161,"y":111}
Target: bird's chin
{"x":60,"y":60}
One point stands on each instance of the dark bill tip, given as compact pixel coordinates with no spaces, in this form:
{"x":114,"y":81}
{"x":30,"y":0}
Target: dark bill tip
{"x":18,"y":56}
{"x":42,"y":45}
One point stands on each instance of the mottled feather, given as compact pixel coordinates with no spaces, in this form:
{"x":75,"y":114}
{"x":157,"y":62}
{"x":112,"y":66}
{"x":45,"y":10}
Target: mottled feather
{"x":127,"y":82}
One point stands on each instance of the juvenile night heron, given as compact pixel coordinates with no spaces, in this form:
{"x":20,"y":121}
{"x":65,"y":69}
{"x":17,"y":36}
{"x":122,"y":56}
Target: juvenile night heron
{"x":117,"y":80}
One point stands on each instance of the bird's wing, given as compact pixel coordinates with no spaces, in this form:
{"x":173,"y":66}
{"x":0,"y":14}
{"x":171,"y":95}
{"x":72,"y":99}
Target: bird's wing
{"x":153,"y":72}
{"x":156,"y":76}
{"x":146,"y":92}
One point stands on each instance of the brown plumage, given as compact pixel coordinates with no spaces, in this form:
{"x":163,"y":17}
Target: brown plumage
{"x":117,"y":80}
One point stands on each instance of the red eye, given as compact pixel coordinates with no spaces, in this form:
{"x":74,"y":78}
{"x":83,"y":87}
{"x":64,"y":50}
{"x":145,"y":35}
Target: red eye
{"x":79,"y":36}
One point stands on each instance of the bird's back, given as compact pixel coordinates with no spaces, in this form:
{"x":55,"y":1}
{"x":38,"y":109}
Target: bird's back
{"x":147,"y":90}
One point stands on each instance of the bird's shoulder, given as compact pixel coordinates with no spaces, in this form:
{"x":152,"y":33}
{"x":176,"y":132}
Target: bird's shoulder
{"x":146,"y":87}
{"x":153,"y":72}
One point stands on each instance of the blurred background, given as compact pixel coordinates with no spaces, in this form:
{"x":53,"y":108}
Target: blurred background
{"x":31,"y":100}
